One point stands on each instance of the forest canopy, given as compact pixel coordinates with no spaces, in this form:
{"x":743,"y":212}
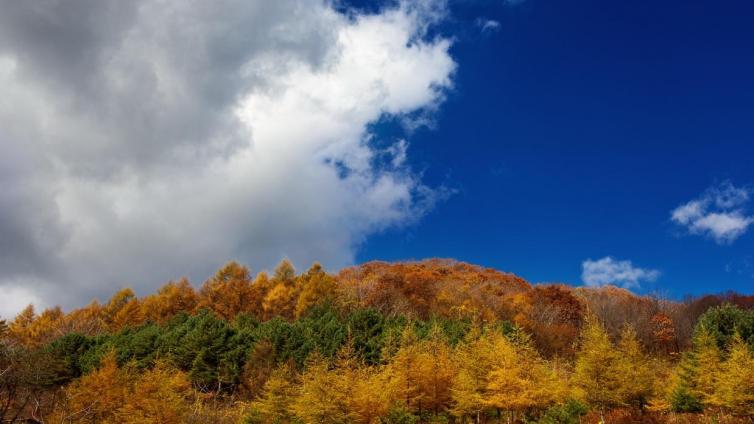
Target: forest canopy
{"x":430,"y":341}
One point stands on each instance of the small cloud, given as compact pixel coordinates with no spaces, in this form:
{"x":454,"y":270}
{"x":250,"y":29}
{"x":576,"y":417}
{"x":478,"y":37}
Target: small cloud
{"x":487,"y":26}
{"x":616,"y":272}
{"x":718,"y":213}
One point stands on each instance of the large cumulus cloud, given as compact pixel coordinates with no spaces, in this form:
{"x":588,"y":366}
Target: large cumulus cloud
{"x":149,"y":139}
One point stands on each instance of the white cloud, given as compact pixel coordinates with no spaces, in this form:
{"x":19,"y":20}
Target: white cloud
{"x":616,"y":272}
{"x":718,"y":213}
{"x":487,"y":25}
{"x":164,"y":138}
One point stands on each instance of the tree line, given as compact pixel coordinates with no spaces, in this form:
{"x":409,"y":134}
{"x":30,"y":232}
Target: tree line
{"x":430,"y":341}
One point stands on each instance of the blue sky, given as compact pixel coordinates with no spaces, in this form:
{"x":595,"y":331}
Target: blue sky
{"x":575,"y":128}
{"x":582,"y":142}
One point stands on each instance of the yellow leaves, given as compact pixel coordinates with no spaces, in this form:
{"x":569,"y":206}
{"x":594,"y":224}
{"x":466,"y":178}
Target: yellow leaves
{"x":316,"y":286}
{"x":124,"y":395}
{"x":275,"y":404}
{"x":708,"y":362}
{"x":159,"y":396}
{"x":519,"y":379}
{"x":613,"y":376}
{"x":323,"y":396}
{"x":596,"y":373}
{"x":96,"y":396}
{"x":371,"y":397}
{"x":635,"y":369}
{"x":280,"y":300}
{"x":734,"y":389}
{"x":422,"y":372}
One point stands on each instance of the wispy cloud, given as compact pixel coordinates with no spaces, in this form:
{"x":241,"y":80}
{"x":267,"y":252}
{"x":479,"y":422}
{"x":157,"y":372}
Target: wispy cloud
{"x":617,"y":272}
{"x":487,"y":26}
{"x":719,"y":213}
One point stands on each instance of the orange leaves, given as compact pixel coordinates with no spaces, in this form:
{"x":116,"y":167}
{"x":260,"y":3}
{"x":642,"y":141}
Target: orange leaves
{"x":170,"y":299}
{"x":663,"y":331}
{"x":434,"y":286}
{"x":229,"y":292}
{"x":123,"y":395}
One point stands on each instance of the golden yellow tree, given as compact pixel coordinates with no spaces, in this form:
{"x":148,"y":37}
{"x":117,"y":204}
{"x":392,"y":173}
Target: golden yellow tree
{"x":708,"y":365}
{"x":437,"y":370}
{"x":275,"y":405}
{"x":735,"y":384}
{"x":321,"y":397}
{"x":316,"y":286}
{"x":159,"y":396}
{"x":635,"y":370}
{"x":474,"y":359}
{"x":405,"y":372}
{"x":280,"y":299}
{"x":596,"y":373}
{"x":371,"y":394}
{"x":21,"y":327}
{"x":97,"y":396}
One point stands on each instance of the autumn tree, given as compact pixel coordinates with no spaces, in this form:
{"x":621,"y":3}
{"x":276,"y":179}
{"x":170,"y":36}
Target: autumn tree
{"x":20,"y":328}
{"x":520,"y":380}
{"x":229,"y":292}
{"x":281,"y":297}
{"x":635,"y":370}
{"x":98,"y":396}
{"x":322,"y":398}
{"x":469,"y":389}
{"x":170,"y":299}
{"x":734,"y":389}
{"x":316,"y":286}
{"x":159,"y":395}
{"x":276,"y":402}
{"x":596,"y":373}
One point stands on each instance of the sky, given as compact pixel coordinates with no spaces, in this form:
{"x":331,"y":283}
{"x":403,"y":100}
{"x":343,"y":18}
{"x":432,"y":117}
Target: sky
{"x":571,"y":142}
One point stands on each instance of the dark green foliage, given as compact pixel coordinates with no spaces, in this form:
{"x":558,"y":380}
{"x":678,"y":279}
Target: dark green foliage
{"x":683,"y":401}
{"x":723,"y":321}
{"x":453,"y":329}
{"x":213,"y":351}
{"x":365,"y":328}
{"x":68,"y":350}
{"x":400,"y":415}
{"x":568,"y":413}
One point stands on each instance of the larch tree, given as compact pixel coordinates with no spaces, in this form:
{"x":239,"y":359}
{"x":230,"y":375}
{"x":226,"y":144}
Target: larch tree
{"x":469,"y":389}
{"x":170,"y":300}
{"x":635,"y":370}
{"x":316,"y":286}
{"x":280,"y":299}
{"x":275,"y":405}
{"x":159,"y":395}
{"x":735,"y":385}
{"x":596,"y":373}
{"x":228,"y":293}
{"x":321,"y":397}
{"x":98,"y":396}
{"x":405,"y":373}
{"x":707,"y":359}
{"x":20,"y":329}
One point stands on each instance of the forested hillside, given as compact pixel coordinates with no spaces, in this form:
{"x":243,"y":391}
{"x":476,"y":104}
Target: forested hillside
{"x":417,"y":342}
